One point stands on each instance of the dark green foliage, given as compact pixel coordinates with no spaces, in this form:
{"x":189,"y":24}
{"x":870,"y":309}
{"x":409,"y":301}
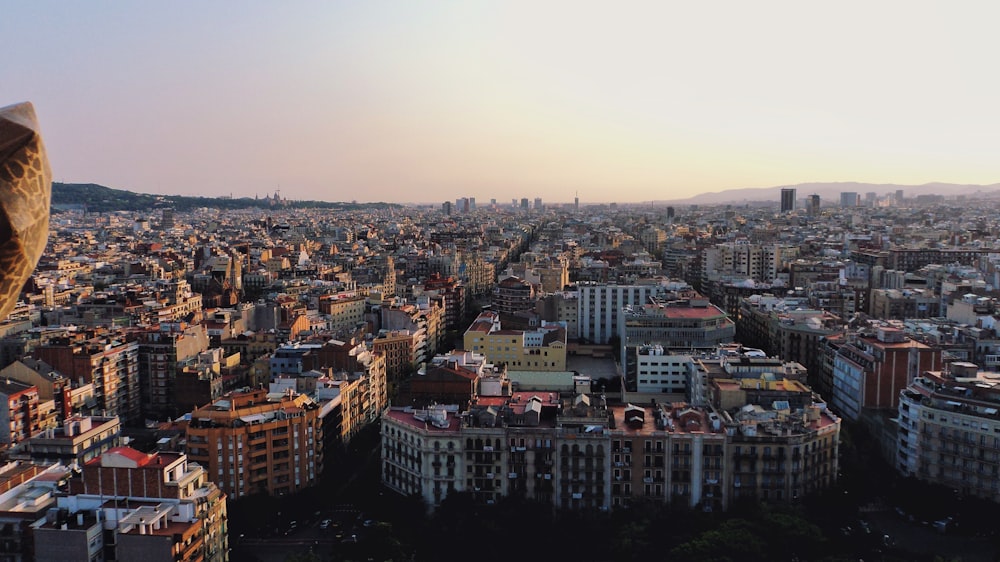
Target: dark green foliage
{"x":100,"y":199}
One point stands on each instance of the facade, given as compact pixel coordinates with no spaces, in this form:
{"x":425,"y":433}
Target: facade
{"x":759,"y":262}
{"x":869,"y":371}
{"x":78,"y":440}
{"x":111,"y":364}
{"x":948,"y":430}
{"x":453,"y":292}
{"x":287,"y":359}
{"x":812,"y":206}
{"x":783,"y":327}
{"x":599,"y":304}
{"x":685,"y":326}
{"x":904,"y":304}
{"x":782,"y":458}
{"x":129,"y":505}
{"x":662,"y":372}
{"x":577,"y":453}
{"x":20,"y":418}
{"x":787,"y":199}
{"x":346,"y":406}
{"x":397,"y":346}
{"x":51,"y":384}
{"x":541,"y":349}
{"x":160,"y":353}
{"x":344,"y":311}
{"x":256,"y":442}
{"x":513,"y":294}
{"x":561,"y":307}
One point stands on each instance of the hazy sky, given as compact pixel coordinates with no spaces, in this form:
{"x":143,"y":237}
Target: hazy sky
{"x":428,"y":101}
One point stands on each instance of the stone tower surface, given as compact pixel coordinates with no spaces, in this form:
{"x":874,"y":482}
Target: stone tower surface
{"x":25,"y":193}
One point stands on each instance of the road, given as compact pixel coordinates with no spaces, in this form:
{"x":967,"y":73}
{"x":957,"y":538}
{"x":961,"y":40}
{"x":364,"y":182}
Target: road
{"x":924,"y":540}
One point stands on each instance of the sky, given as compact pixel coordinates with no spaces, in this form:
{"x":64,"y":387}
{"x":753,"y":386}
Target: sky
{"x":431,"y":101}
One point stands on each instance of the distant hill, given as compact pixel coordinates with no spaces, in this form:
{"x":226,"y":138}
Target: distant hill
{"x":831,"y":191}
{"x":100,"y":199}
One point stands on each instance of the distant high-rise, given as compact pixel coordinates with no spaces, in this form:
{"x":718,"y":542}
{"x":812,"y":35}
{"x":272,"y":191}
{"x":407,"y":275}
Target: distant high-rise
{"x":670,"y":212}
{"x":813,"y":206}
{"x":524,"y":203}
{"x":538,"y":203}
{"x":899,"y":196}
{"x":576,"y":203}
{"x":446,"y":207}
{"x":848,"y":199}
{"x":870,"y":198}
{"x":472,"y":203}
{"x":787,"y":199}
{"x":167,"y":222}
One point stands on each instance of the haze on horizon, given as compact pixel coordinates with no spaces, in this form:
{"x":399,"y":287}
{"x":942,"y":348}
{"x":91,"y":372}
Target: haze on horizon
{"x":425,"y":102}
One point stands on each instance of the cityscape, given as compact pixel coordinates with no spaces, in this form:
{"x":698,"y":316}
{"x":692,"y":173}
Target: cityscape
{"x":164,"y":369}
{"x":422,"y":282}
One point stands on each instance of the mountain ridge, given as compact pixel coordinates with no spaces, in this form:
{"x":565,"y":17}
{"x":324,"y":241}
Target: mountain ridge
{"x":829,"y":191}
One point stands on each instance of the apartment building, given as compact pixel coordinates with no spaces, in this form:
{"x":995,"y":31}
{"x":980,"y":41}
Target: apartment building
{"x":161,"y":352}
{"x":760,"y":262}
{"x":21,"y":417}
{"x":870,"y":369}
{"x":574,"y":451}
{"x":344,"y":310}
{"x":110,"y":363}
{"x":541,"y":349}
{"x":129,"y":505}
{"x":77,"y":440}
{"x":949,"y":430}
{"x":513,"y":294}
{"x":252,"y":441}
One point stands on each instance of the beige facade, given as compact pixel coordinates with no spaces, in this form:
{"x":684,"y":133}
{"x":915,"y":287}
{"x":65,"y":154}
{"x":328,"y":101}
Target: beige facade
{"x":543,"y":349}
{"x":591,"y":456}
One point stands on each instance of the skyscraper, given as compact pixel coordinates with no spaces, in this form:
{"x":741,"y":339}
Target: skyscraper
{"x":848,"y":199}
{"x":813,"y":207}
{"x":787,"y":199}
{"x":167,"y":221}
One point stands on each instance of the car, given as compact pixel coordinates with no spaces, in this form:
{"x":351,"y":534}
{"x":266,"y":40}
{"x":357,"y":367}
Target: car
{"x":325,"y":524}
{"x":369,"y":522}
{"x":941,"y":525}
